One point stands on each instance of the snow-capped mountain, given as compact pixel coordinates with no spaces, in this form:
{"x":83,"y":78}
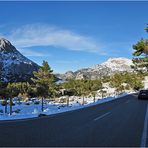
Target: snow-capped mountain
{"x":111,"y":66}
{"x":117,"y":64}
{"x":13,"y":65}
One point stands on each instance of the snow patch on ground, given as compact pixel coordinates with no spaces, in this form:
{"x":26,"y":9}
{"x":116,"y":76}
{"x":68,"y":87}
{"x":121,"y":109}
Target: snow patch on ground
{"x":33,"y":110}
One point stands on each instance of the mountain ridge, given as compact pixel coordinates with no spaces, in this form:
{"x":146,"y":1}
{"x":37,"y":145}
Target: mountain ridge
{"x":16,"y":67}
{"x":109,"y":67}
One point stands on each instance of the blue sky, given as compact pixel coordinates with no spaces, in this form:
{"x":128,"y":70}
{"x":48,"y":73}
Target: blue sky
{"x":72,"y":35}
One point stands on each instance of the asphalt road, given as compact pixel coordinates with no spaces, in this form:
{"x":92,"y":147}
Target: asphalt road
{"x":116,"y":123}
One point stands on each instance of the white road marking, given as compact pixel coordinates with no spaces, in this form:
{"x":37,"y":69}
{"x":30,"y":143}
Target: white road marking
{"x":127,"y":101}
{"x":144,"y":134}
{"x":101,"y":116}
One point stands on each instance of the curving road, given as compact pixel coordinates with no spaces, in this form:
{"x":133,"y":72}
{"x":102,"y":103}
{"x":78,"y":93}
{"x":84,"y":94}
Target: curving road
{"x":122,"y":122}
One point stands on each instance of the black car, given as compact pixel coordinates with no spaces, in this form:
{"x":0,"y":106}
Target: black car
{"x":143,"y":94}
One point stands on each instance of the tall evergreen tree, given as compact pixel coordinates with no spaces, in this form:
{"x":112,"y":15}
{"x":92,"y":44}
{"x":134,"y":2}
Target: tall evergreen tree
{"x":44,"y":81}
{"x":12,"y":92}
{"x":141,"y":53}
{"x":141,"y":48}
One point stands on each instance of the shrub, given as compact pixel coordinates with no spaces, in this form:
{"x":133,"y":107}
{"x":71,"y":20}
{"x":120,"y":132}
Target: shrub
{"x":4,"y":103}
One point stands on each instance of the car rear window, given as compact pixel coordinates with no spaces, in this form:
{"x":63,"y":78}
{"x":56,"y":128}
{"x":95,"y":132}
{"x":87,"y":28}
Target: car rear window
{"x":144,"y":91}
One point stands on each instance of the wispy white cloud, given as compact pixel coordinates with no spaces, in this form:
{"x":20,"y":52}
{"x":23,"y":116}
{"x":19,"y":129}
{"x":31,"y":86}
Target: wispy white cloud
{"x":29,"y":53}
{"x":45,"y":35}
{"x":66,"y":61}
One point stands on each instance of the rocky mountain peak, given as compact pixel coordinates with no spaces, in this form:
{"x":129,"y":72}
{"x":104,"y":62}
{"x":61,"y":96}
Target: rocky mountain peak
{"x":118,"y":64}
{"x":13,"y":65}
{"x":6,"y":46}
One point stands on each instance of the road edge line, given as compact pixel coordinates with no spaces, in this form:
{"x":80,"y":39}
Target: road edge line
{"x":144,"y":133}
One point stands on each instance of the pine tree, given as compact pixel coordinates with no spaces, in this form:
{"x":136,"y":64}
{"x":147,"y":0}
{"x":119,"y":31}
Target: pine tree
{"x":12,"y":92}
{"x":141,"y":53}
{"x":116,"y":82}
{"x":141,"y":48}
{"x":44,"y":81}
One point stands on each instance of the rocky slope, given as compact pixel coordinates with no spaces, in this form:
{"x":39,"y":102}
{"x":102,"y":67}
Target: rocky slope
{"x":13,"y":65}
{"x":111,"y":66}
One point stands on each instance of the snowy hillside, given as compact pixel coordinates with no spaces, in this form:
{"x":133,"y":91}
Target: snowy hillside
{"x":13,"y":65}
{"x":118,"y":64}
